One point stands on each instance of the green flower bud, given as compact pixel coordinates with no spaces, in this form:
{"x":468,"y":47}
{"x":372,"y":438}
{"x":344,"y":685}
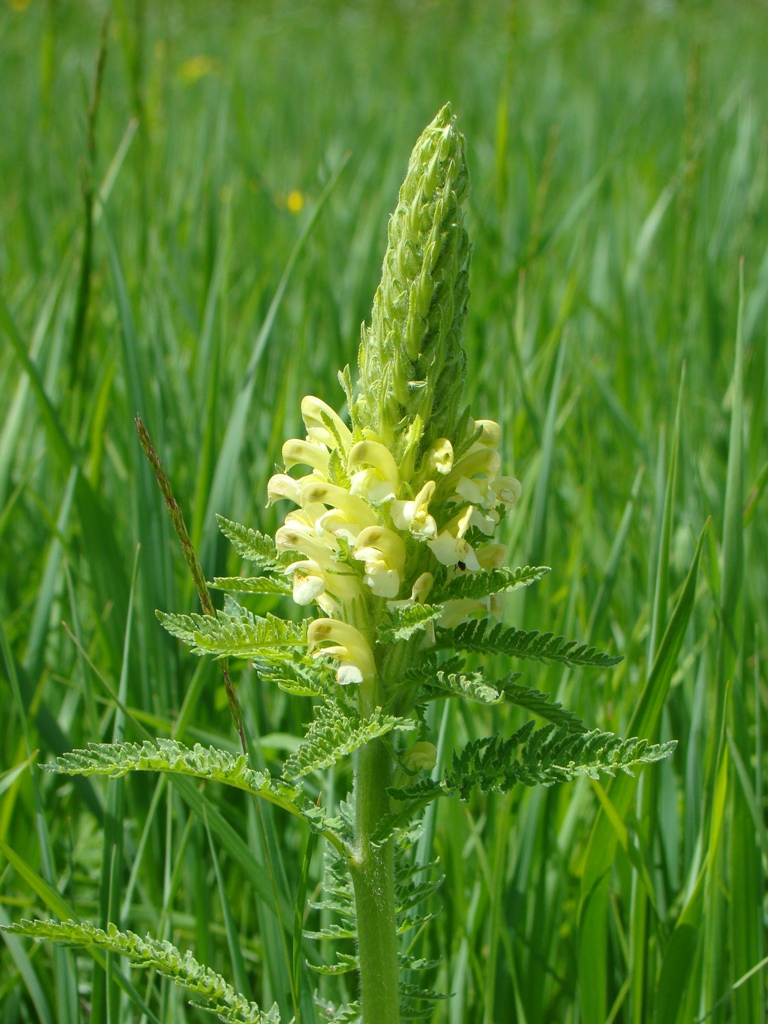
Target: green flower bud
{"x":411,"y":361}
{"x":421,"y":756}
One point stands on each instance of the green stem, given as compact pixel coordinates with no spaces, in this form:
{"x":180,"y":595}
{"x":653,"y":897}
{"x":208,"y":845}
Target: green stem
{"x":373,"y":876}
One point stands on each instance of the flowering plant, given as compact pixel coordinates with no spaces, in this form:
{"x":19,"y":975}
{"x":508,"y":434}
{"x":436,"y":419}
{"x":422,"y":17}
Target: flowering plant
{"x":391,"y":544}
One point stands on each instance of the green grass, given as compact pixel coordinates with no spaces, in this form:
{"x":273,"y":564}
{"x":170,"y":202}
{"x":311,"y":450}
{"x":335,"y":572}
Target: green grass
{"x":619,"y":173}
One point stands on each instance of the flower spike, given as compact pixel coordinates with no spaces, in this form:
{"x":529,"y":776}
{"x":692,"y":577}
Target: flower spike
{"x":411,"y":358}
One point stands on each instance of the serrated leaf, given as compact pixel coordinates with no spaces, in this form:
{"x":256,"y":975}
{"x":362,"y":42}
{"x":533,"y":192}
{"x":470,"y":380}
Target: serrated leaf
{"x":477,"y":585}
{"x":413,"y":963}
{"x":449,"y":680}
{"x":217,"y":995}
{"x":333,"y":932}
{"x":405,"y":621}
{"x":337,"y":471}
{"x":296,"y":673}
{"x":114,"y":760}
{"x":471,"y":686}
{"x":539,"y":703}
{"x":255,"y":547}
{"x":430,"y":663}
{"x":345,"y":963}
{"x":542,"y":757}
{"x":251,"y":584}
{"x":349,"y":1013}
{"x":410,"y":896}
{"x":338,"y":730}
{"x":241,"y":635}
{"x":411,"y":800}
{"x":518,"y":643}
{"x":409,"y":1009}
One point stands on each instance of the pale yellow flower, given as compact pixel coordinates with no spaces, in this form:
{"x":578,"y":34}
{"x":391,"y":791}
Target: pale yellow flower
{"x":316,"y":491}
{"x":507,"y":490}
{"x":283,"y":486}
{"x":384,"y":555}
{"x":485,"y":521}
{"x":439,"y":456}
{"x":492,"y":556}
{"x":450,"y":547}
{"x":350,"y":649}
{"x":414,"y":516}
{"x":306,"y":453}
{"x":297,"y":534}
{"x":315,"y":412}
{"x":309,"y":581}
{"x":491,"y":433}
{"x":478,"y":460}
{"x":460,"y":609}
{"x":380,"y":480}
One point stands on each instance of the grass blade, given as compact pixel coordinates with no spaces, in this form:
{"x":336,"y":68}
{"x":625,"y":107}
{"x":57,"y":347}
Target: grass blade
{"x":227,"y":465}
{"x":593,"y":908}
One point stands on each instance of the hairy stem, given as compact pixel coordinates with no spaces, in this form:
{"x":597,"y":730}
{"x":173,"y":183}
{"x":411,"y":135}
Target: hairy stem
{"x":373,"y":876}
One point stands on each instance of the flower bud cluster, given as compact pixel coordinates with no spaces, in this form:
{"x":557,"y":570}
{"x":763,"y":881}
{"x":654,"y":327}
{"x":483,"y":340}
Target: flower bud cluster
{"x":366,"y":527}
{"x":412,"y":364}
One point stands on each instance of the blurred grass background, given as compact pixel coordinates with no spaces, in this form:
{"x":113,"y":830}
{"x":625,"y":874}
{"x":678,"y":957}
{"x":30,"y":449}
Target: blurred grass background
{"x":198,"y":239}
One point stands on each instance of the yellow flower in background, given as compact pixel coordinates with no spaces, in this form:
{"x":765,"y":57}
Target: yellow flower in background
{"x":194,"y":68}
{"x":295,"y":201}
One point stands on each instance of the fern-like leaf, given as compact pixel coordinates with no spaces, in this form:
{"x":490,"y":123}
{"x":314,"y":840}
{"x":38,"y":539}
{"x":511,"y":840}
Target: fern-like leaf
{"x":338,"y":730}
{"x":547,"y":756}
{"x":478,"y":585}
{"x":409,"y":897}
{"x":228,"y":635}
{"x":253,"y":546}
{"x":541,"y":757}
{"x":530,"y":757}
{"x":412,"y":996}
{"x":539,"y":703}
{"x":407,"y":620}
{"x":296,"y":673}
{"x":430,"y":663}
{"x":212,"y":991}
{"x":333,"y":932}
{"x":344,"y":963}
{"x":116,"y":759}
{"x":338,"y":893}
{"x":471,"y":685}
{"x":450,"y":680}
{"x":517,"y":643}
{"x":349,"y":1013}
